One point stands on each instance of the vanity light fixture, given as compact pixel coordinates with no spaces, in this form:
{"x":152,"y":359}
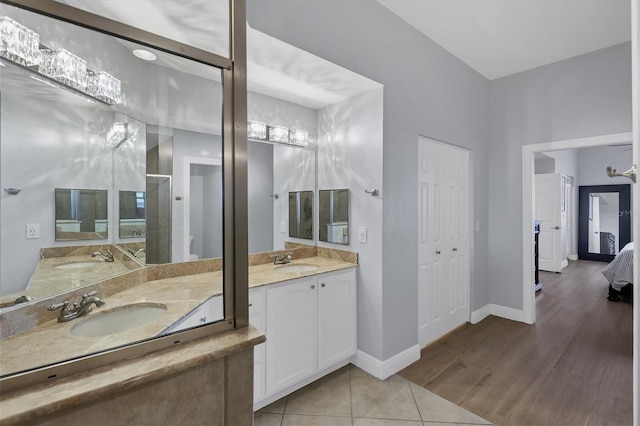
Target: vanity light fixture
{"x":65,"y":67}
{"x":18,"y":43}
{"x":256,"y":130}
{"x":21,"y":46}
{"x":278,"y":134}
{"x":117,"y":134}
{"x":144,"y":55}
{"x":299,"y":137}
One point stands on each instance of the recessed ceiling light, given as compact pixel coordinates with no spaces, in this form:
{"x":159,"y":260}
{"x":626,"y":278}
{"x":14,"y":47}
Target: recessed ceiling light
{"x":144,"y":54}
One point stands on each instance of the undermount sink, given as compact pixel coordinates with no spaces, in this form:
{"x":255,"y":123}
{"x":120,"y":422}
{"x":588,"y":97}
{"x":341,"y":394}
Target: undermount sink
{"x":295,"y":268}
{"x":76,"y":265}
{"x":118,"y":319}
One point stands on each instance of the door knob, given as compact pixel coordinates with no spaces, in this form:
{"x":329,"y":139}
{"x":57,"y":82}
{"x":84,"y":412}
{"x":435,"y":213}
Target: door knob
{"x":556,"y":227}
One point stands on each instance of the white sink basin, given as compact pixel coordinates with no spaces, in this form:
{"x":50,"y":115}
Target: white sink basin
{"x":76,"y":265}
{"x":296,"y":268}
{"x":118,"y":319}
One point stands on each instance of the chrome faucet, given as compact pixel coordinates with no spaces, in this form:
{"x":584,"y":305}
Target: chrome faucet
{"x":107,"y":258}
{"x":282,"y":259}
{"x":135,"y":253}
{"x":70,"y":312}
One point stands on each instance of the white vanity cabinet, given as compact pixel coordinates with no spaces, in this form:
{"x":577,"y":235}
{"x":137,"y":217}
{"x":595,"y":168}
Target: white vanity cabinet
{"x":257,"y":319}
{"x":292,"y":322}
{"x":310,"y":330}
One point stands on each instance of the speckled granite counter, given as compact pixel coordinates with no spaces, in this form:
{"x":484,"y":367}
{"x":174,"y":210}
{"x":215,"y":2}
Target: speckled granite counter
{"x":64,"y":269}
{"x":52,"y":342}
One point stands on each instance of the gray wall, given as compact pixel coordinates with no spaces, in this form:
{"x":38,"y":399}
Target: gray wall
{"x":588,"y":95}
{"x":427,"y":92}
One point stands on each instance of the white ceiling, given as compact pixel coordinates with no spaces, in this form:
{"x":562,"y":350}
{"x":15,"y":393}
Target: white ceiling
{"x":503,"y":37}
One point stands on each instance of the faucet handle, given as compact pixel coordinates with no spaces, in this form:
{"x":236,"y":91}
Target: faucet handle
{"x":64,"y":305}
{"x":91,"y":293}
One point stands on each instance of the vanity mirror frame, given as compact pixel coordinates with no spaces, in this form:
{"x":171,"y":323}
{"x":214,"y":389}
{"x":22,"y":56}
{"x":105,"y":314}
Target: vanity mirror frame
{"x":235,"y":276}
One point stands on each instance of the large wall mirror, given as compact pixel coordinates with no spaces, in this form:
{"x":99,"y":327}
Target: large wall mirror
{"x":604,"y":221}
{"x":274,"y":171}
{"x":116,"y":167}
{"x":334,"y":216}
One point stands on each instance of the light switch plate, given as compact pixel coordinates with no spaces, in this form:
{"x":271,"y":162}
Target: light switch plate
{"x":362,"y":234}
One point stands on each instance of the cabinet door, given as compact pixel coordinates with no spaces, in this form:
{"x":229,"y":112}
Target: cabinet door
{"x":291,"y":334}
{"x":336,"y":318}
{"x":256,"y":319}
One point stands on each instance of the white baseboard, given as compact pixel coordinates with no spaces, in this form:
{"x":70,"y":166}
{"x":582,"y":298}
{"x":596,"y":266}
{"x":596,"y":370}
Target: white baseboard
{"x":480,"y":314}
{"x":564,"y":264}
{"x":385,"y":369}
{"x":497,"y":310}
{"x":573,"y":257}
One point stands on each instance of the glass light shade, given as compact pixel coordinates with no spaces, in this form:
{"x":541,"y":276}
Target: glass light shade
{"x":256,"y":130}
{"x":117,"y":133}
{"x":278,"y":134}
{"x":18,"y":43}
{"x":103,"y":86}
{"x":299,"y":137}
{"x":65,"y":67}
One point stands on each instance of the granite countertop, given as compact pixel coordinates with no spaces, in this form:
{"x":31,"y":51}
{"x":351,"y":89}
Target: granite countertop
{"x":50,"y":278}
{"x":52,"y":342}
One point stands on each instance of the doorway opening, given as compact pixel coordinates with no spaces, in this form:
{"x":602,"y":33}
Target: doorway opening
{"x":528,"y":200}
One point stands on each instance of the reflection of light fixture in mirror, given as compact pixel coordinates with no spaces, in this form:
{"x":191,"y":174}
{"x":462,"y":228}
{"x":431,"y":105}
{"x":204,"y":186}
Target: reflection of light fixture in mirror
{"x":102,"y":85}
{"x":278,"y":134}
{"x":117,"y":134}
{"x":299,"y":137}
{"x":256,"y":130}
{"x":65,"y":67}
{"x":18,"y":43}
{"x":21,"y":46}
{"x":144,"y":54}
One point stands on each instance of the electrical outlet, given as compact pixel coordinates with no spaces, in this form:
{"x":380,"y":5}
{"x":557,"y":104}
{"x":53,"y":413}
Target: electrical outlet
{"x":283,"y":226}
{"x":362,"y":234}
{"x":33,"y":230}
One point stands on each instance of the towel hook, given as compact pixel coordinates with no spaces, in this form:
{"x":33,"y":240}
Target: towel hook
{"x":373,"y":192}
{"x":12,"y":191}
{"x":631,"y":173}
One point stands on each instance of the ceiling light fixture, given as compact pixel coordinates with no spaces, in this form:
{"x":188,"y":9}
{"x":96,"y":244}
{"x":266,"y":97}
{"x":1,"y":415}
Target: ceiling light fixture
{"x":144,"y":55}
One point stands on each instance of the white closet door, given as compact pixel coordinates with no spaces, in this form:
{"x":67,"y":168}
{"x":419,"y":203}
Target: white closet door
{"x":444,"y":262}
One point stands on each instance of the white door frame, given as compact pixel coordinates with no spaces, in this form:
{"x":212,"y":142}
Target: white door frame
{"x":188,"y":161}
{"x":528,"y":194}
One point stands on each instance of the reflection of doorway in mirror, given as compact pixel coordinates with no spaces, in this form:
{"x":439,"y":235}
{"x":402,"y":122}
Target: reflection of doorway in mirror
{"x":202,"y":226}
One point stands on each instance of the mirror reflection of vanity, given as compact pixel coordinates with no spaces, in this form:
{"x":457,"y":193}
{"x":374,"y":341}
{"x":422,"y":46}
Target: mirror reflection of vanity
{"x":604,"y":221}
{"x":80,"y":162}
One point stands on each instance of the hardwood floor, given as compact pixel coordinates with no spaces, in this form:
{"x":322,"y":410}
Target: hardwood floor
{"x":573,"y":367}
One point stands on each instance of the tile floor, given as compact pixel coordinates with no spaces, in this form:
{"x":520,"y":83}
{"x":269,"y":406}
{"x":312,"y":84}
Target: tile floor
{"x":349,"y":396}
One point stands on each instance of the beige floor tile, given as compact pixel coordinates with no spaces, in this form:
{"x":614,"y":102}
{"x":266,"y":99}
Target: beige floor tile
{"x":434,"y":408}
{"x":453,"y":424}
{"x":382,"y":399}
{"x":384,"y":422}
{"x":329,"y":396}
{"x":299,"y":420}
{"x":275,"y":407}
{"x":267,"y":419}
